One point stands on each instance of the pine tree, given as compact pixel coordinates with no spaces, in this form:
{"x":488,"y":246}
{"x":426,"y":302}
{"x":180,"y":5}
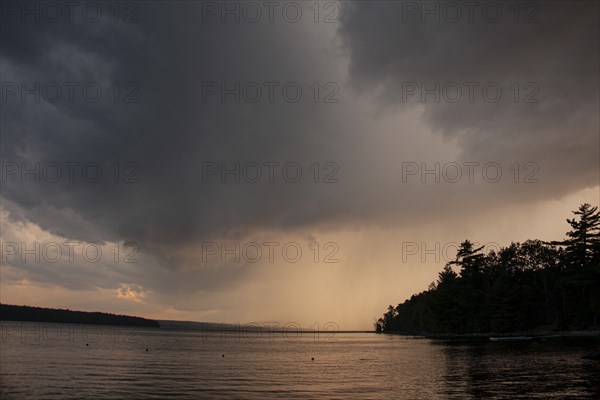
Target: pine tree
{"x":584,"y":238}
{"x":581,"y":277}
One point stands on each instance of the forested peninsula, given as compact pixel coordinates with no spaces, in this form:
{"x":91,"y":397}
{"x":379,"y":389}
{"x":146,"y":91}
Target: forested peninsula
{"x":530,"y":286}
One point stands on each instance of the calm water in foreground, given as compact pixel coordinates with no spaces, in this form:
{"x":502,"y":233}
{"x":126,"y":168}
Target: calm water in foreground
{"x":52,"y":361}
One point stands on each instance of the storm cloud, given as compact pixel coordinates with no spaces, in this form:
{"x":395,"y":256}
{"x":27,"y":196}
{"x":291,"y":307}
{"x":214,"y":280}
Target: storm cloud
{"x":516,"y":83}
{"x":204,"y":125}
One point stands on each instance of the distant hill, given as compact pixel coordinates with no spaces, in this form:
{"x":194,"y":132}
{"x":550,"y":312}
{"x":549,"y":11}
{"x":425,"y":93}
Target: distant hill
{"x":218,"y":326}
{"x":207,"y":326}
{"x":40,"y":314}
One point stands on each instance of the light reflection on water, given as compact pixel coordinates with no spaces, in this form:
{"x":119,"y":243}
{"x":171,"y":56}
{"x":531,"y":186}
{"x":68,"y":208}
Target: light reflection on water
{"x":52,"y":361}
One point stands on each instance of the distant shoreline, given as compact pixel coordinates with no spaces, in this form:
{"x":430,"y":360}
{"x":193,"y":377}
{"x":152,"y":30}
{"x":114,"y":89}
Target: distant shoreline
{"x":14,"y":313}
{"x":211,"y":327}
{"x":51,"y":315}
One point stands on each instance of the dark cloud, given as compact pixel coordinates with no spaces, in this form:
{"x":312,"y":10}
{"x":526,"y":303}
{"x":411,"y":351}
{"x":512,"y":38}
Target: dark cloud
{"x":171,"y":131}
{"x":556,"y":52}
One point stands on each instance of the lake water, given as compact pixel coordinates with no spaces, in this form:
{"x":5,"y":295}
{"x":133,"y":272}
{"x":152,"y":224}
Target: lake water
{"x":58,"y":361}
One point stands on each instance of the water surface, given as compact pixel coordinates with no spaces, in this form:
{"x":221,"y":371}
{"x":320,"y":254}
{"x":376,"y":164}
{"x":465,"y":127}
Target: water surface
{"x":60,"y":361}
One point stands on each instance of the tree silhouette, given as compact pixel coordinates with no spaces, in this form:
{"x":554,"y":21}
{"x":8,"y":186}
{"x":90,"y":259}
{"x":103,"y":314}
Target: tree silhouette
{"x":584,"y":238}
{"x":524,"y":286}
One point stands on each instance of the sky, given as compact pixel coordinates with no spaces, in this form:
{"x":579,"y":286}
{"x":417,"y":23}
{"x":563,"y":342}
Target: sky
{"x":292,"y":162}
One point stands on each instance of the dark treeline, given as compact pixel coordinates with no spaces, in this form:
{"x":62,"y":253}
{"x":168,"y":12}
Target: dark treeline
{"x":526,"y":286}
{"x":39,"y":314}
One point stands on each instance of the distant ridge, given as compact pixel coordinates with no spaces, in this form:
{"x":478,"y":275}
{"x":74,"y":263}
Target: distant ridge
{"x":41,"y":314}
{"x":257,"y":326}
{"x":194,"y":325}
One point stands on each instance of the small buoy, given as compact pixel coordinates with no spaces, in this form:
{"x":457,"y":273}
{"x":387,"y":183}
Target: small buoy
{"x":87,"y":344}
{"x":312,"y":359}
{"x":222,"y":355}
{"x":146,"y":349}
